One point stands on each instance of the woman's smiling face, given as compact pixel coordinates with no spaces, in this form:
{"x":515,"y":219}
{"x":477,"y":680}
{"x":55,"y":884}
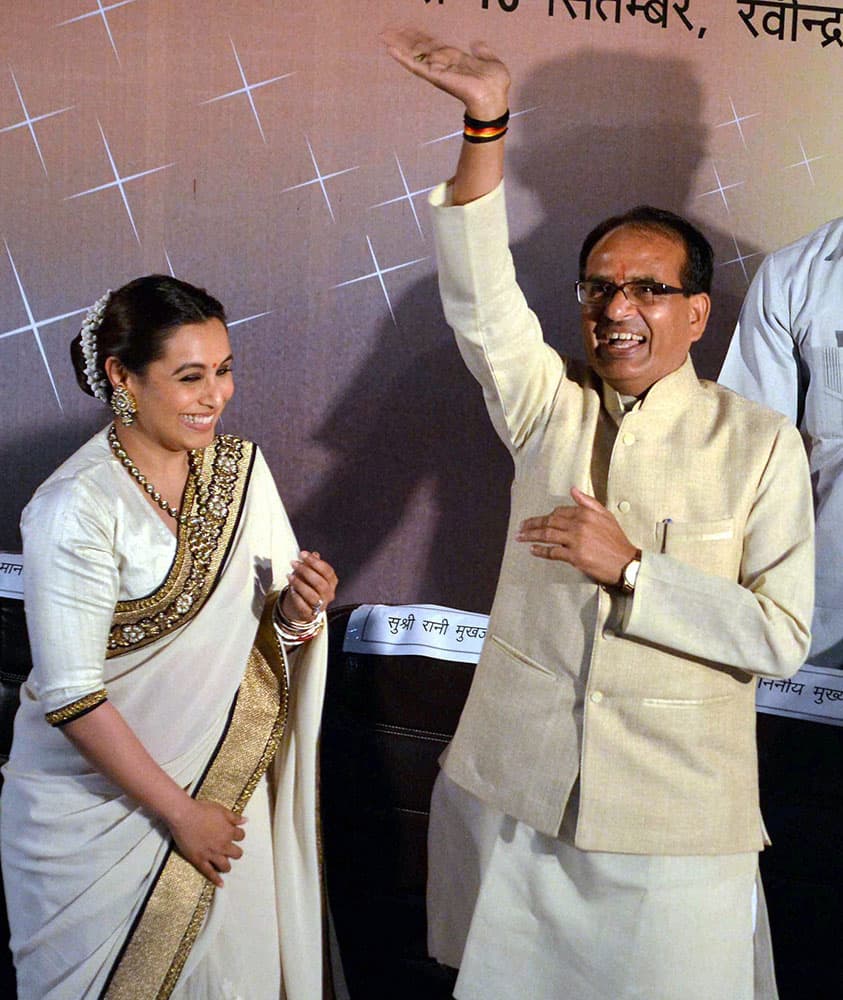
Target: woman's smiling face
{"x":181,"y":395}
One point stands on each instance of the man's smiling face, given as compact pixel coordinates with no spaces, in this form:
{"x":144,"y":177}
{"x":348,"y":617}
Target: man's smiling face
{"x":633,"y":346}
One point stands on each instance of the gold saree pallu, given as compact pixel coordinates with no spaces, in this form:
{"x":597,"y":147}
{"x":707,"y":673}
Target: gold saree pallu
{"x":169,"y":923}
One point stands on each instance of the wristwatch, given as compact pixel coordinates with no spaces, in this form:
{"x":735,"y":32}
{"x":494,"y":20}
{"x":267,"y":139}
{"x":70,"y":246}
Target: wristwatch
{"x":630,"y":574}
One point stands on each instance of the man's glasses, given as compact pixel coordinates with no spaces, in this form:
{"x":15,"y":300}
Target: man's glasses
{"x":639,"y":293}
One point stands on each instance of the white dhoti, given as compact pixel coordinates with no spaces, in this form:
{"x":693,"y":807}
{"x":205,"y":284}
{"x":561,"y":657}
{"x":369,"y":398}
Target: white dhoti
{"x":526,"y":915}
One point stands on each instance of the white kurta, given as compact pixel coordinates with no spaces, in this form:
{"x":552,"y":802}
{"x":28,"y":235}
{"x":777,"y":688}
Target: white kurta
{"x":78,"y":855}
{"x":787,"y":352}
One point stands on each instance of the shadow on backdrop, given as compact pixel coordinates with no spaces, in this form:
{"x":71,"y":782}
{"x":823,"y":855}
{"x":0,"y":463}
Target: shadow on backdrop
{"x":51,"y":445}
{"x":413,"y":416}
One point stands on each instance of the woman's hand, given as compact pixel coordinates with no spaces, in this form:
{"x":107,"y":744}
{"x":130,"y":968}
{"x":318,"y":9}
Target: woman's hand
{"x":477,"y":78}
{"x":206,"y":834}
{"x":312,"y":587}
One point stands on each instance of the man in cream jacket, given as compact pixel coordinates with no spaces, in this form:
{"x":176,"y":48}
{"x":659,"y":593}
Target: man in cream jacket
{"x":595,"y":830}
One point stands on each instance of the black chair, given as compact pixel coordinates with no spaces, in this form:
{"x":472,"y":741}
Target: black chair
{"x":386,"y":721}
{"x":801,"y":773}
{"x":15,"y":662}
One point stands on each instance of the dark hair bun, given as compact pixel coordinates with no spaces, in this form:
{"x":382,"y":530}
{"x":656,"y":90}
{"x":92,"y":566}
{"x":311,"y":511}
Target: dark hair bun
{"x":138,"y":320}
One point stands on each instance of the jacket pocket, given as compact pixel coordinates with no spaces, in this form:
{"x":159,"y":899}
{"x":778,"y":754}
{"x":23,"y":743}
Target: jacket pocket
{"x":824,"y":401}
{"x":709,"y":545}
{"x":685,"y":702}
{"x":516,"y":654}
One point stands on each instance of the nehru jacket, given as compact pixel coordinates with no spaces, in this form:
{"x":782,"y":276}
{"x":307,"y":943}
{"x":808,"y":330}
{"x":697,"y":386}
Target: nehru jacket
{"x":649,"y":700}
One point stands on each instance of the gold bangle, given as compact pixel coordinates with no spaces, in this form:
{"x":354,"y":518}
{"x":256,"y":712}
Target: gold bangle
{"x":294,"y":633}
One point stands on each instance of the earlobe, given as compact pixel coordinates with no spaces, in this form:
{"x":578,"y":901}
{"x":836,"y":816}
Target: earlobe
{"x":699,"y":308}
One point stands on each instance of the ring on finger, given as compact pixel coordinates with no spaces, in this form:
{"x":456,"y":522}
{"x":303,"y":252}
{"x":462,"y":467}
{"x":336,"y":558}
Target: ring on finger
{"x":317,"y":607}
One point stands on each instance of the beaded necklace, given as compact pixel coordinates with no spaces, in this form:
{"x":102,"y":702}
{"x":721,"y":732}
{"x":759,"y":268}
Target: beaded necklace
{"x":141,"y":479}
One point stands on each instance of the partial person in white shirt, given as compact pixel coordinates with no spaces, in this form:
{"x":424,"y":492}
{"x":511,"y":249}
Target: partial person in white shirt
{"x":787,"y":352}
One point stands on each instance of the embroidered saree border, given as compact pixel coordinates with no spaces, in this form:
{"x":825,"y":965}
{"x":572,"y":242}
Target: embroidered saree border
{"x":76,"y":709}
{"x":213,"y":503}
{"x":172,"y":916}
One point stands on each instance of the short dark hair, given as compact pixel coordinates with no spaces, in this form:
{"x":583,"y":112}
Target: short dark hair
{"x":138,"y":320}
{"x":698,"y":268}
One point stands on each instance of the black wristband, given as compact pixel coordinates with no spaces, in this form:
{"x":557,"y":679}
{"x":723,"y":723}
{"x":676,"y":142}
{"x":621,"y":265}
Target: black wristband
{"x":495,"y":123}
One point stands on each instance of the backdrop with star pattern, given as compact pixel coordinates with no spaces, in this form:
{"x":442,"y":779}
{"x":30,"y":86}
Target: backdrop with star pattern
{"x":271,"y":151}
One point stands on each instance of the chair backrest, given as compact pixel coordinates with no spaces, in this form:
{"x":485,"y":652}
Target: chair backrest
{"x":15,"y":663}
{"x":387,"y":719}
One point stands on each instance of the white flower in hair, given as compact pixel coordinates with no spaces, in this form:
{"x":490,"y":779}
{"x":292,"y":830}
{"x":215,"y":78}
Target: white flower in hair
{"x":96,"y":378}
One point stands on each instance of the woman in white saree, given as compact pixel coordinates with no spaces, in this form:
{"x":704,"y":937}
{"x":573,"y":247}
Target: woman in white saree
{"x":176,"y":689}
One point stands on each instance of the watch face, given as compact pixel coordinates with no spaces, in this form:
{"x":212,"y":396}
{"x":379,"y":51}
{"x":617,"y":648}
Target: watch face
{"x":630,"y":574}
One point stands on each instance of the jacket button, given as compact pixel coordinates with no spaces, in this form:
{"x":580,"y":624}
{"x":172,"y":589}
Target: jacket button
{"x":596,"y":697}
{"x":609,"y":633}
{"x":628,"y":438}
{"x":624,"y":506}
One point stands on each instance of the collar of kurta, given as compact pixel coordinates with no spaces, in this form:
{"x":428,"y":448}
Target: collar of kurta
{"x":670,"y":393}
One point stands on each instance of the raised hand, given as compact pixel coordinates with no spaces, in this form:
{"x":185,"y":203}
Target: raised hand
{"x":477,"y":77}
{"x":586,"y":535}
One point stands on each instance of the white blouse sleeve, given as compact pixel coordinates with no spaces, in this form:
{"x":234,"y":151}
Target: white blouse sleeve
{"x":71,"y":586}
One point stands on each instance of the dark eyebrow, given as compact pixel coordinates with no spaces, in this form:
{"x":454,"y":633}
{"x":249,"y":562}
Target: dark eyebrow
{"x":642,"y":279}
{"x":197,"y":364}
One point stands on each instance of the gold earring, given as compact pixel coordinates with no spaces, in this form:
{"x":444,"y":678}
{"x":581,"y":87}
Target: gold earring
{"x":124,"y":405}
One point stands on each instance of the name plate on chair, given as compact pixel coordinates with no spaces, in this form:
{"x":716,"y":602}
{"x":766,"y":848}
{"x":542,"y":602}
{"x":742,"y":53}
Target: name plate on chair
{"x":417,"y":630}
{"x":814,"y":694}
{"x":11,"y":575}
